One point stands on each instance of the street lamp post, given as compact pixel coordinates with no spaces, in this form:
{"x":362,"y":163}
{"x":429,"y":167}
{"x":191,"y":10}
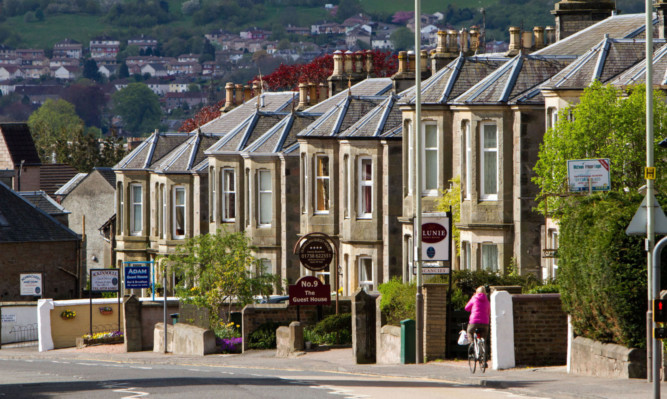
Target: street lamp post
{"x":419,"y":305}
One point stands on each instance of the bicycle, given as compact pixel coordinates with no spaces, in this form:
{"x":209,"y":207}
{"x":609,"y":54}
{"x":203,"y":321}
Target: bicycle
{"x":477,"y":352}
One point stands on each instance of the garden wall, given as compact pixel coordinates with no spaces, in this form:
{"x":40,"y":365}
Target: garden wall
{"x":540,"y":330}
{"x":18,"y":322}
{"x":606,"y":360}
{"x":257,"y":314}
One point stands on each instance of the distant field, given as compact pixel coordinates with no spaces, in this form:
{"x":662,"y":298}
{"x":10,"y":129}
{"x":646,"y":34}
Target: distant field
{"x":428,"y":6}
{"x":56,"y":28}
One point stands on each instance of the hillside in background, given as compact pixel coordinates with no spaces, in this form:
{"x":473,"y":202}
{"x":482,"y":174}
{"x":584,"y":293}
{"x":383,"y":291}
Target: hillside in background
{"x":179,"y":25}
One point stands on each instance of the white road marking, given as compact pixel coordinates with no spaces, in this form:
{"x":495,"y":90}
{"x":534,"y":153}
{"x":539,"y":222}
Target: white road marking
{"x":136,"y":394}
{"x":141,"y":368}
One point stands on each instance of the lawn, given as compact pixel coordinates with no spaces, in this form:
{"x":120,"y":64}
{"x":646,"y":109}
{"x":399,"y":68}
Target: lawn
{"x":53,"y":29}
{"x":428,"y":6}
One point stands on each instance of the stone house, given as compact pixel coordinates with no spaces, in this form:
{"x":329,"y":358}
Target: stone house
{"x":31,"y":241}
{"x":89,"y":199}
{"x":19,"y":161}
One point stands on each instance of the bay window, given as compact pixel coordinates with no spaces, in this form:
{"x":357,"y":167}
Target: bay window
{"x":265,"y":198}
{"x":322,"y":184}
{"x":228,"y":195}
{"x":136,"y":201}
{"x":179,"y":212}
{"x":489,"y":161}
{"x":365,"y":188}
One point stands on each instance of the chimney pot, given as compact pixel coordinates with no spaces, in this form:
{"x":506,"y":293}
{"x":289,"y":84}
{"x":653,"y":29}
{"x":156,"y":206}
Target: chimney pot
{"x":515,"y":38}
{"x":474,"y":40}
{"x":411,"y":61}
{"x":402,"y":61}
{"x":538,"y":31}
{"x":347,"y":67}
{"x":312,"y":93}
{"x":322,"y":92}
{"x":453,"y":44}
{"x":463,"y":35}
{"x":423,"y":61}
{"x":238,"y":91}
{"x":338,"y":63}
{"x":303,"y":95}
{"x":550,"y":34}
{"x":527,"y":40}
{"x":442,"y":42}
{"x":247,"y":93}
{"x":229,"y":95}
{"x":369,"y":62}
{"x":359,"y":62}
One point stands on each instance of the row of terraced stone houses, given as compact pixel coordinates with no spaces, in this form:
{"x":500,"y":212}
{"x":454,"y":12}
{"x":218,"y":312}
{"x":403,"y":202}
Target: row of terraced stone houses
{"x":279,"y":166}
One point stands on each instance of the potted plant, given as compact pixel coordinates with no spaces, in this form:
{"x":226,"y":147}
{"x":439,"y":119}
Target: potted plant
{"x":106,"y":310}
{"x":67,"y":314}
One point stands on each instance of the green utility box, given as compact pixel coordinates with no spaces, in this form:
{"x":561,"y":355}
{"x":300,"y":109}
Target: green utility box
{"x":408,"y":343}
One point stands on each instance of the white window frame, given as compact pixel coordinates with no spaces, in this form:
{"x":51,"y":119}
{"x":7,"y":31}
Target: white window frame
{"x":493,"y":268}
{"x":262,"y":174}
{"x":325,"y":180}
{"x":304,"y":183}
{"x":370,"y":284}
{"x":246,"y":206}
{"x":214,"y":196}
{"x":466,"y":159}
{"x":175,"y":206}
{"x":136,"y":206}
{"x":432,"y":191}
{"x":482,"y":151}
{"x":226,"y":193}
{"x":361,"y":183}
{"x":552,"y":117}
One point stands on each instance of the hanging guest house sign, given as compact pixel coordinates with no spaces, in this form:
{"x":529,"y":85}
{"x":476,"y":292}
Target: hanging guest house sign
{"x":316,"y":254}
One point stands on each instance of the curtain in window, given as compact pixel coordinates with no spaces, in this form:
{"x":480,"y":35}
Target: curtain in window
{"x":179,"y":213}
{"x":366,"y":273}
{"x":430,"y":157}
{"x":367,"y":188}
{"x":490,"y":160}
{"x":490,"y":257}
{"x":322,"y":183}
{"x":136,"y":209}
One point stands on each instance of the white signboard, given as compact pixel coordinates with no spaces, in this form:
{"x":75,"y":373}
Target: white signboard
{"x":585,"y":173}
{"x":104,"y":280}
{"x":31,"y":284}
{"x":8,"y":318}
{"x":436,"y":237}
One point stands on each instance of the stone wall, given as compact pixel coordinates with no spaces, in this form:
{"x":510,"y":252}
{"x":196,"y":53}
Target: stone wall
{"x":390,"y":342}
{"x":540,"y":330}
{"x":257,"y":314}
{"x":606,"y":360}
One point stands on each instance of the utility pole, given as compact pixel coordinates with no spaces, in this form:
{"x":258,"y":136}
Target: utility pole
{"x":419,"y":300}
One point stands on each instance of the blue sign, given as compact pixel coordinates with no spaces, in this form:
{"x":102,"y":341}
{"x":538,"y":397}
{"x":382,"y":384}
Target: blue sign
{"x":137,"y":277}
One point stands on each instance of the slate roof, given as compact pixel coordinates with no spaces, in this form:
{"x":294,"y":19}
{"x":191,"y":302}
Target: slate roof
{"x":21,"y":221}
{"x":454,"y":79}
{"x":71,"y":184}
{"x":603,"y":62}
{"x":282,"y":136}
{"x":367,"y":87}
{"x":515,"y":81}
{"x":344,"y":114}
{"x":188,"y":156}
{"x":384,"y":121}
{"x":637,"y":74}
{"x":252,"y":128}
{"x":273,"y":102}
{"x":42,"y":201}
{"x":53,"y":176}
{"x":625,"y":26}
{"x":20,"y":144}
{"x":108,"y":175}
{"x":151,"y":151}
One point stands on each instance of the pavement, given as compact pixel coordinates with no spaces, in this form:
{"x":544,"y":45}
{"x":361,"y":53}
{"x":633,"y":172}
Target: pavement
{"x":542,"y":382}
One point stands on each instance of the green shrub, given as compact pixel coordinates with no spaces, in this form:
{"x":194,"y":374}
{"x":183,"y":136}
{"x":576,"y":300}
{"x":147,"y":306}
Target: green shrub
{"x":602,"y":271}
{"x":551,"y":288}
{"x":398,"y":300}
{"x":264,"y":337}
{"x":332,"y":330}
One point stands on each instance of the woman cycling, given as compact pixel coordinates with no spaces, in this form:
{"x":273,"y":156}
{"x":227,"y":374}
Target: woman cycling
{"x":480,"y":311}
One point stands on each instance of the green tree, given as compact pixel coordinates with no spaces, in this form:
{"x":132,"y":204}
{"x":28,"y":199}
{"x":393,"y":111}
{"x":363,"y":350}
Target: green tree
{"x":451,"y":200}
{"x":90,"y":70}
{"x":55,"y":121}
{"x":219,"y":269}
{"x":402,"y":39}
{"x":139,"y":108}
{"x":348,"y":8}
{"x":605,"y":124}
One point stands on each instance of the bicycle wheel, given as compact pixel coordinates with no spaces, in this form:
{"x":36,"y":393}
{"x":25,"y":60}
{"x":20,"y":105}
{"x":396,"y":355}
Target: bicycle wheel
{"x":471,"y":357}
{"x":481,"y":358}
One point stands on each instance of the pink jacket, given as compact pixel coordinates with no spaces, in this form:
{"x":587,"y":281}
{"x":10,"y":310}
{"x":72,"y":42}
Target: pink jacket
{"x":479,"y":308}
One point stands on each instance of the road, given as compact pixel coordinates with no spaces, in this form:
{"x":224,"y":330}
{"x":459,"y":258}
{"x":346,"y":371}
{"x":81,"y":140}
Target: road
{"x":68,"y":378}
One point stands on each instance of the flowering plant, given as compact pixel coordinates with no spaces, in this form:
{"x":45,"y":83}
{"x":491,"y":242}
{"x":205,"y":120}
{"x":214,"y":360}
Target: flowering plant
{"x":105,"y":334}
{"x":68,"y":314}
{"x":229,"y":345}
{"x":106,"y":309}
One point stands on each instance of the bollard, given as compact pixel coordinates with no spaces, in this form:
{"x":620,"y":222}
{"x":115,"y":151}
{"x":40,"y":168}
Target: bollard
{"x":408,"y":342}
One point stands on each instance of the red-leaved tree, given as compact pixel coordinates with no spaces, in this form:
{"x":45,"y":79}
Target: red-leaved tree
{"x":204,"y":115}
